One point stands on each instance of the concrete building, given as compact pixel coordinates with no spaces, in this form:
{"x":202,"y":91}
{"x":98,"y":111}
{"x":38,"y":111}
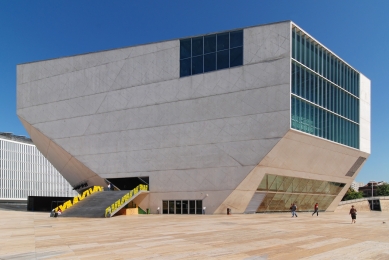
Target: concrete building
{"x":24,"y":172}
{"x":371,"y":188}
{"x":252,"y":119}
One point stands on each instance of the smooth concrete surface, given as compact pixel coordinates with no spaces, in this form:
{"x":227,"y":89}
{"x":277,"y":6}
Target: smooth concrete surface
{"x":384,"y":204}
{"x":127,"y":113}
{"x":29,"y":235}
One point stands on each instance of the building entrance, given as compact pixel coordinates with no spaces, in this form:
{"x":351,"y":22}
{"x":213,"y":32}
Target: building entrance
{"x":129,"y":183}
{"x":375,"y":205}
{"x":182,"y":206}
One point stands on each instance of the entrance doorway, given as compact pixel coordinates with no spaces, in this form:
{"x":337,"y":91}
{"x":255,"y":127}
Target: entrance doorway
{"x":182,"y":207}
{"x":376,"y":205}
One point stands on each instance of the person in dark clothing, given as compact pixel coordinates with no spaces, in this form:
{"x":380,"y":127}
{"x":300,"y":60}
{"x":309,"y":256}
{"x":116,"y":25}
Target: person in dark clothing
{"x":293,"y":209}
{"x":316,"y":209}
{"x":353,"y":213}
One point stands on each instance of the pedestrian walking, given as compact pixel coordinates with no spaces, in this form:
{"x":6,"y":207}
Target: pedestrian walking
{"x":353,"y":213}
{"x":316,"y":209}
{"x":293,"y":209}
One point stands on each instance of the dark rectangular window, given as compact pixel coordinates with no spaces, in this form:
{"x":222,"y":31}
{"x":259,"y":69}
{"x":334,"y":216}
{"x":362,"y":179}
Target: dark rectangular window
{"x":185,"y":67}
{"x":185,"y":207}
{"x":236,"y":57}
{"x":223,"y":41}
{"x":210,"y":62}
{"x":185,"y":48}
{"x":197,"y":65}
{"x":171,"y":206}
{"x":165,"y":207}
{"x":223,"y":59}
{"x":197,"y":46}
{"x":192,"y":207}
{"x":178,"y":207}
{"x":199,"y":207}
{"x":209,"y":44}
{"x":236,"y":39}
{"x":211,"y":52}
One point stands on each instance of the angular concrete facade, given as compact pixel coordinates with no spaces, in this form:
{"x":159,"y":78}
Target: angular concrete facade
{"x":211,"y":137}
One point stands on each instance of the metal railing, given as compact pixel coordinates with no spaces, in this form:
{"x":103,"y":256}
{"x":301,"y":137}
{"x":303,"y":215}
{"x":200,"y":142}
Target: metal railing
{"x":111,"y":210}
{"x":78,"y":198}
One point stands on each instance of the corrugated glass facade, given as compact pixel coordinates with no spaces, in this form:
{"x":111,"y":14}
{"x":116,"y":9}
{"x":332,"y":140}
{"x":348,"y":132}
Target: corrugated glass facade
{"x":325,"y":92}
{"x":24,"y":172}
{"x":282,"y":191}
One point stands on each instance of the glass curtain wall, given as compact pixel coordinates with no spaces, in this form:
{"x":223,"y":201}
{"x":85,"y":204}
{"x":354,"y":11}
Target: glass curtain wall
{"x":24,"y":172}
{"x":325,"y":93}
{"x":282,"y":191}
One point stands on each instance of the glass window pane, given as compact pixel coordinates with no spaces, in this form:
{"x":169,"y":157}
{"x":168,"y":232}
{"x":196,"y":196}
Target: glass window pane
{"x":270,"y":180}
{"x":197,"y":46}
{"x":236,"y":39}
{"x":223,"y":41}
{"x":210,"y":62}
{"x":266,"y":202}
{"x":287,"y":184}
{"x":209,"y":43}
{"x":197,"y":65}
{"x":199,"y":207}
{"x":236,"y":57}
{"x":223,"y":59}
{"x":298,"y":47}
{"x":171,"y":206}
{"x":277,"y":199}
{"x":192,"y":207}
{"x":301,"y":185}
{"x":185,"y":207}
{"x":294,"y":43}
{"x":185,"y":48}
{"x":185,"y":67}
{"x":178,"y":206}
{"x":165,"y":207}
{"x":305,"y":203}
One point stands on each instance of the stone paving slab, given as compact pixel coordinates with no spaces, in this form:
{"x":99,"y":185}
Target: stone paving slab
{"x":30,"y":235}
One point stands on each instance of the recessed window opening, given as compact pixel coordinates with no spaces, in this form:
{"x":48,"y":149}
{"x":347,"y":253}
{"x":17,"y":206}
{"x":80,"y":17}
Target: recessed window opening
{"x":211,"y":52}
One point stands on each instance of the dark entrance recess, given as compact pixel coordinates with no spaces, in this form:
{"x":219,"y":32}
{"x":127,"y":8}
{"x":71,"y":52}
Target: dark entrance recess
{"x":40,"y":203}
{"x":376,"y":205}
{"x":128,"y":183}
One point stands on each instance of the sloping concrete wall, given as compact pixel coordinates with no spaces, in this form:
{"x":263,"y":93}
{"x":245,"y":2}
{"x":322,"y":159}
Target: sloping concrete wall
{"x":359,"y":205}
{"x":298,"y":155}
{"x":384,"y":204}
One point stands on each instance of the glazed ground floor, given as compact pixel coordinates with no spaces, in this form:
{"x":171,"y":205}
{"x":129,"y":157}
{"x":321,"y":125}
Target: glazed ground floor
{"x":31,"y":235}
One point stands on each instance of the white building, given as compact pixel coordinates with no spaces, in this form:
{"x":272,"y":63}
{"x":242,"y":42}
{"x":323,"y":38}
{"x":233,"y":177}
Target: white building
{"x":24,"y":172}
{"x":355,"y":185}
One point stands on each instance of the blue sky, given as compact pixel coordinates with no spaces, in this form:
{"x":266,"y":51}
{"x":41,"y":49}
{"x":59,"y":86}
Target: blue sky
{"x":357,"y":31}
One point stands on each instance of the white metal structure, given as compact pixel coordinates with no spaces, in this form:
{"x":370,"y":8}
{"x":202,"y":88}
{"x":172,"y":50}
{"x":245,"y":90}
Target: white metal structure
{"x":24,"y":172}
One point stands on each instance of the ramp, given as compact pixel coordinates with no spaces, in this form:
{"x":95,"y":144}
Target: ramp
{"x":95,"y":205}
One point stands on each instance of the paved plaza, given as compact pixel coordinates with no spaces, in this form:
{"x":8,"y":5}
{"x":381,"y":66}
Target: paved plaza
{"x":30,"y":235}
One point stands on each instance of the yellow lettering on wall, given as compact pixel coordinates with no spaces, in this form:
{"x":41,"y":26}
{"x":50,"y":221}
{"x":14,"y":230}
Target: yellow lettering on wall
{"x":78,"y":198}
